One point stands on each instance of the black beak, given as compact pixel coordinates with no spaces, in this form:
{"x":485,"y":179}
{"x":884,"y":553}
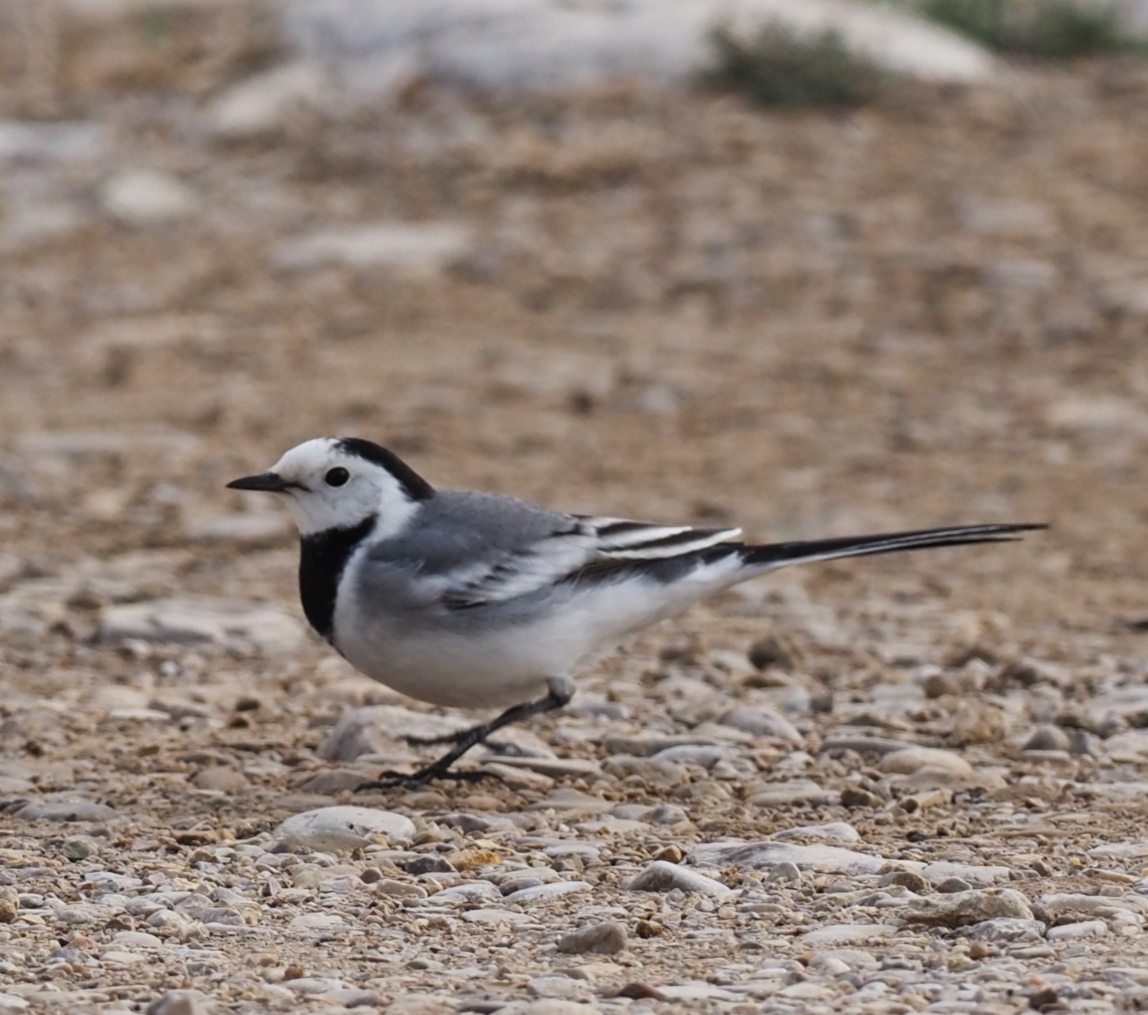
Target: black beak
{"x":268,"y":482}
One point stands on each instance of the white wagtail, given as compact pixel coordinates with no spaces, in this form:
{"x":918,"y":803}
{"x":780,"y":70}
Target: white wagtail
{"x":477,"y":600}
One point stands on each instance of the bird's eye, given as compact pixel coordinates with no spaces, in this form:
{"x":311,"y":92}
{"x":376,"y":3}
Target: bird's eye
{"x":336,"y":476}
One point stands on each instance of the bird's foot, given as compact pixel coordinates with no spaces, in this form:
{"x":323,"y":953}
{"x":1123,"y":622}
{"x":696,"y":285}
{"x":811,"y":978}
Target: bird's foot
{"x":446,"y":738}
{"x":416,"y":780}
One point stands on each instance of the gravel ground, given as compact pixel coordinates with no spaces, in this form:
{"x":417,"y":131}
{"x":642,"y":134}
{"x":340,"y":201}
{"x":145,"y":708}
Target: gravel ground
{"x":907,"y":784}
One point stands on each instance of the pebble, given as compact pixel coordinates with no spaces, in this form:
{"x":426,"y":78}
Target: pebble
{"x":791,"y":794}
{"x":762,"y":722}
{"x":179,"y":1002}
{"x":607,"y":938}
{"x":406,"y":250}
{"x":847,"y":933}
{"x":1047,"y":737}
{"x":143,"y":197}
{"x":661,"y":876}
{"x":265,"y":103}
{"x":913,"y":759}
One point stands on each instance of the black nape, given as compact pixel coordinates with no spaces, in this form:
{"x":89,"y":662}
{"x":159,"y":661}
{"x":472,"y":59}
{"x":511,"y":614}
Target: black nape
{"x":414,"y":486}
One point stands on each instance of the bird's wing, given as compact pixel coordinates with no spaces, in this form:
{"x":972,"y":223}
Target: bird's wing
{"x":581,"y":546}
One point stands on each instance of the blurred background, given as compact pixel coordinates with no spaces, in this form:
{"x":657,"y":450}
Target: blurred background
{"x":815,"y":268}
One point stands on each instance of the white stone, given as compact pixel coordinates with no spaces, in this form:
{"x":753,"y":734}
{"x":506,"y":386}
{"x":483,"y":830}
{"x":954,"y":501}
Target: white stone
{"x":1073,"y":931}
{"x":264,"y":103}
{"x":51,"y":142}
{"x":202,"y":621}
{"x":143,"y":197}
{"x":317,"y":921}
{"x":549,"y":891}
{"x":470,"y":891}
{"x":829,"y":859}
{"x":912,"y":759}
{"x":847,"y":933}
{"x":663,"y":876}
{"x":420,"y":250}
{"x":544,"y":44}
{"x":838,"y":831}
{"x":343,"y":827}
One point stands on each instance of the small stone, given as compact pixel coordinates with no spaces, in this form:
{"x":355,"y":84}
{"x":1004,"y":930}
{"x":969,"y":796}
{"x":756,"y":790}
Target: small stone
{"x":221,"y":779}
{"x":911,"y":759}
{"x":422,"y":250}
{"x":671,"y":854}
{"x":78,"y":849}
{"x":847,"y":933}
{"x":793,"y":793}
{"x":179,"y":1002}
{"x":660,"y":876}
{"x":145,"y":197}
{"x":939,"y":684}
{"x":855,"y":796}
{"x":762,"y":722}
{"x":265,"y":103}
{"x":1047,"y":737}
{"x":607,"y":938}
{"x":770,"y":651}
{"x":906,"y":879}
{"x":785,"y":872}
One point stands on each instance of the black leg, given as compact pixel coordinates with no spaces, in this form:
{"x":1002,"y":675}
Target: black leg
{"x":463,"y":741}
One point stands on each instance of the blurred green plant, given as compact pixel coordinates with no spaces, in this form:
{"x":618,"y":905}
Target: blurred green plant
{"x":1042,"y":29}
{"x":779,"y":67}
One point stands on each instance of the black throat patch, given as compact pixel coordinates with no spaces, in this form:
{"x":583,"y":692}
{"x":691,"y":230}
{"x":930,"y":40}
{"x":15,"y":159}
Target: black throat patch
{"x":322,"y":560}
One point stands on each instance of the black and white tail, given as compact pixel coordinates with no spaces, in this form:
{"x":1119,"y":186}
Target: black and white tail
{"x":775,"y":555}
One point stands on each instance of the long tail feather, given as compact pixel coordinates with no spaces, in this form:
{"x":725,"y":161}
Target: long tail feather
{"x":774,"y":555}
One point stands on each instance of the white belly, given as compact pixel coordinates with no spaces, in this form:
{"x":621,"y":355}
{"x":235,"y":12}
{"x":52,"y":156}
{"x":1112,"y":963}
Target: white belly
{"x":462,"y":664}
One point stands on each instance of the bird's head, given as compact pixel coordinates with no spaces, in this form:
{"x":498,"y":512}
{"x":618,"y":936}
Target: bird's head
{"x":340,"y":482}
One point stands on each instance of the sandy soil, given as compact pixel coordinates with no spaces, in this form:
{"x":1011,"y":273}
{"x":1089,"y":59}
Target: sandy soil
{"x":671,"y":307}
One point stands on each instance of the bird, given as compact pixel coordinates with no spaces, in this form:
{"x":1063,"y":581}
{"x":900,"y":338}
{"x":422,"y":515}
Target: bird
{"x":468,"y":599}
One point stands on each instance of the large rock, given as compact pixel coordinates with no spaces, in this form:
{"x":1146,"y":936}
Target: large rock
{"x":242,"y":626}
{"x":347,"y":827}
{"x":831,"y":859}
{"x":547,"y":44}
